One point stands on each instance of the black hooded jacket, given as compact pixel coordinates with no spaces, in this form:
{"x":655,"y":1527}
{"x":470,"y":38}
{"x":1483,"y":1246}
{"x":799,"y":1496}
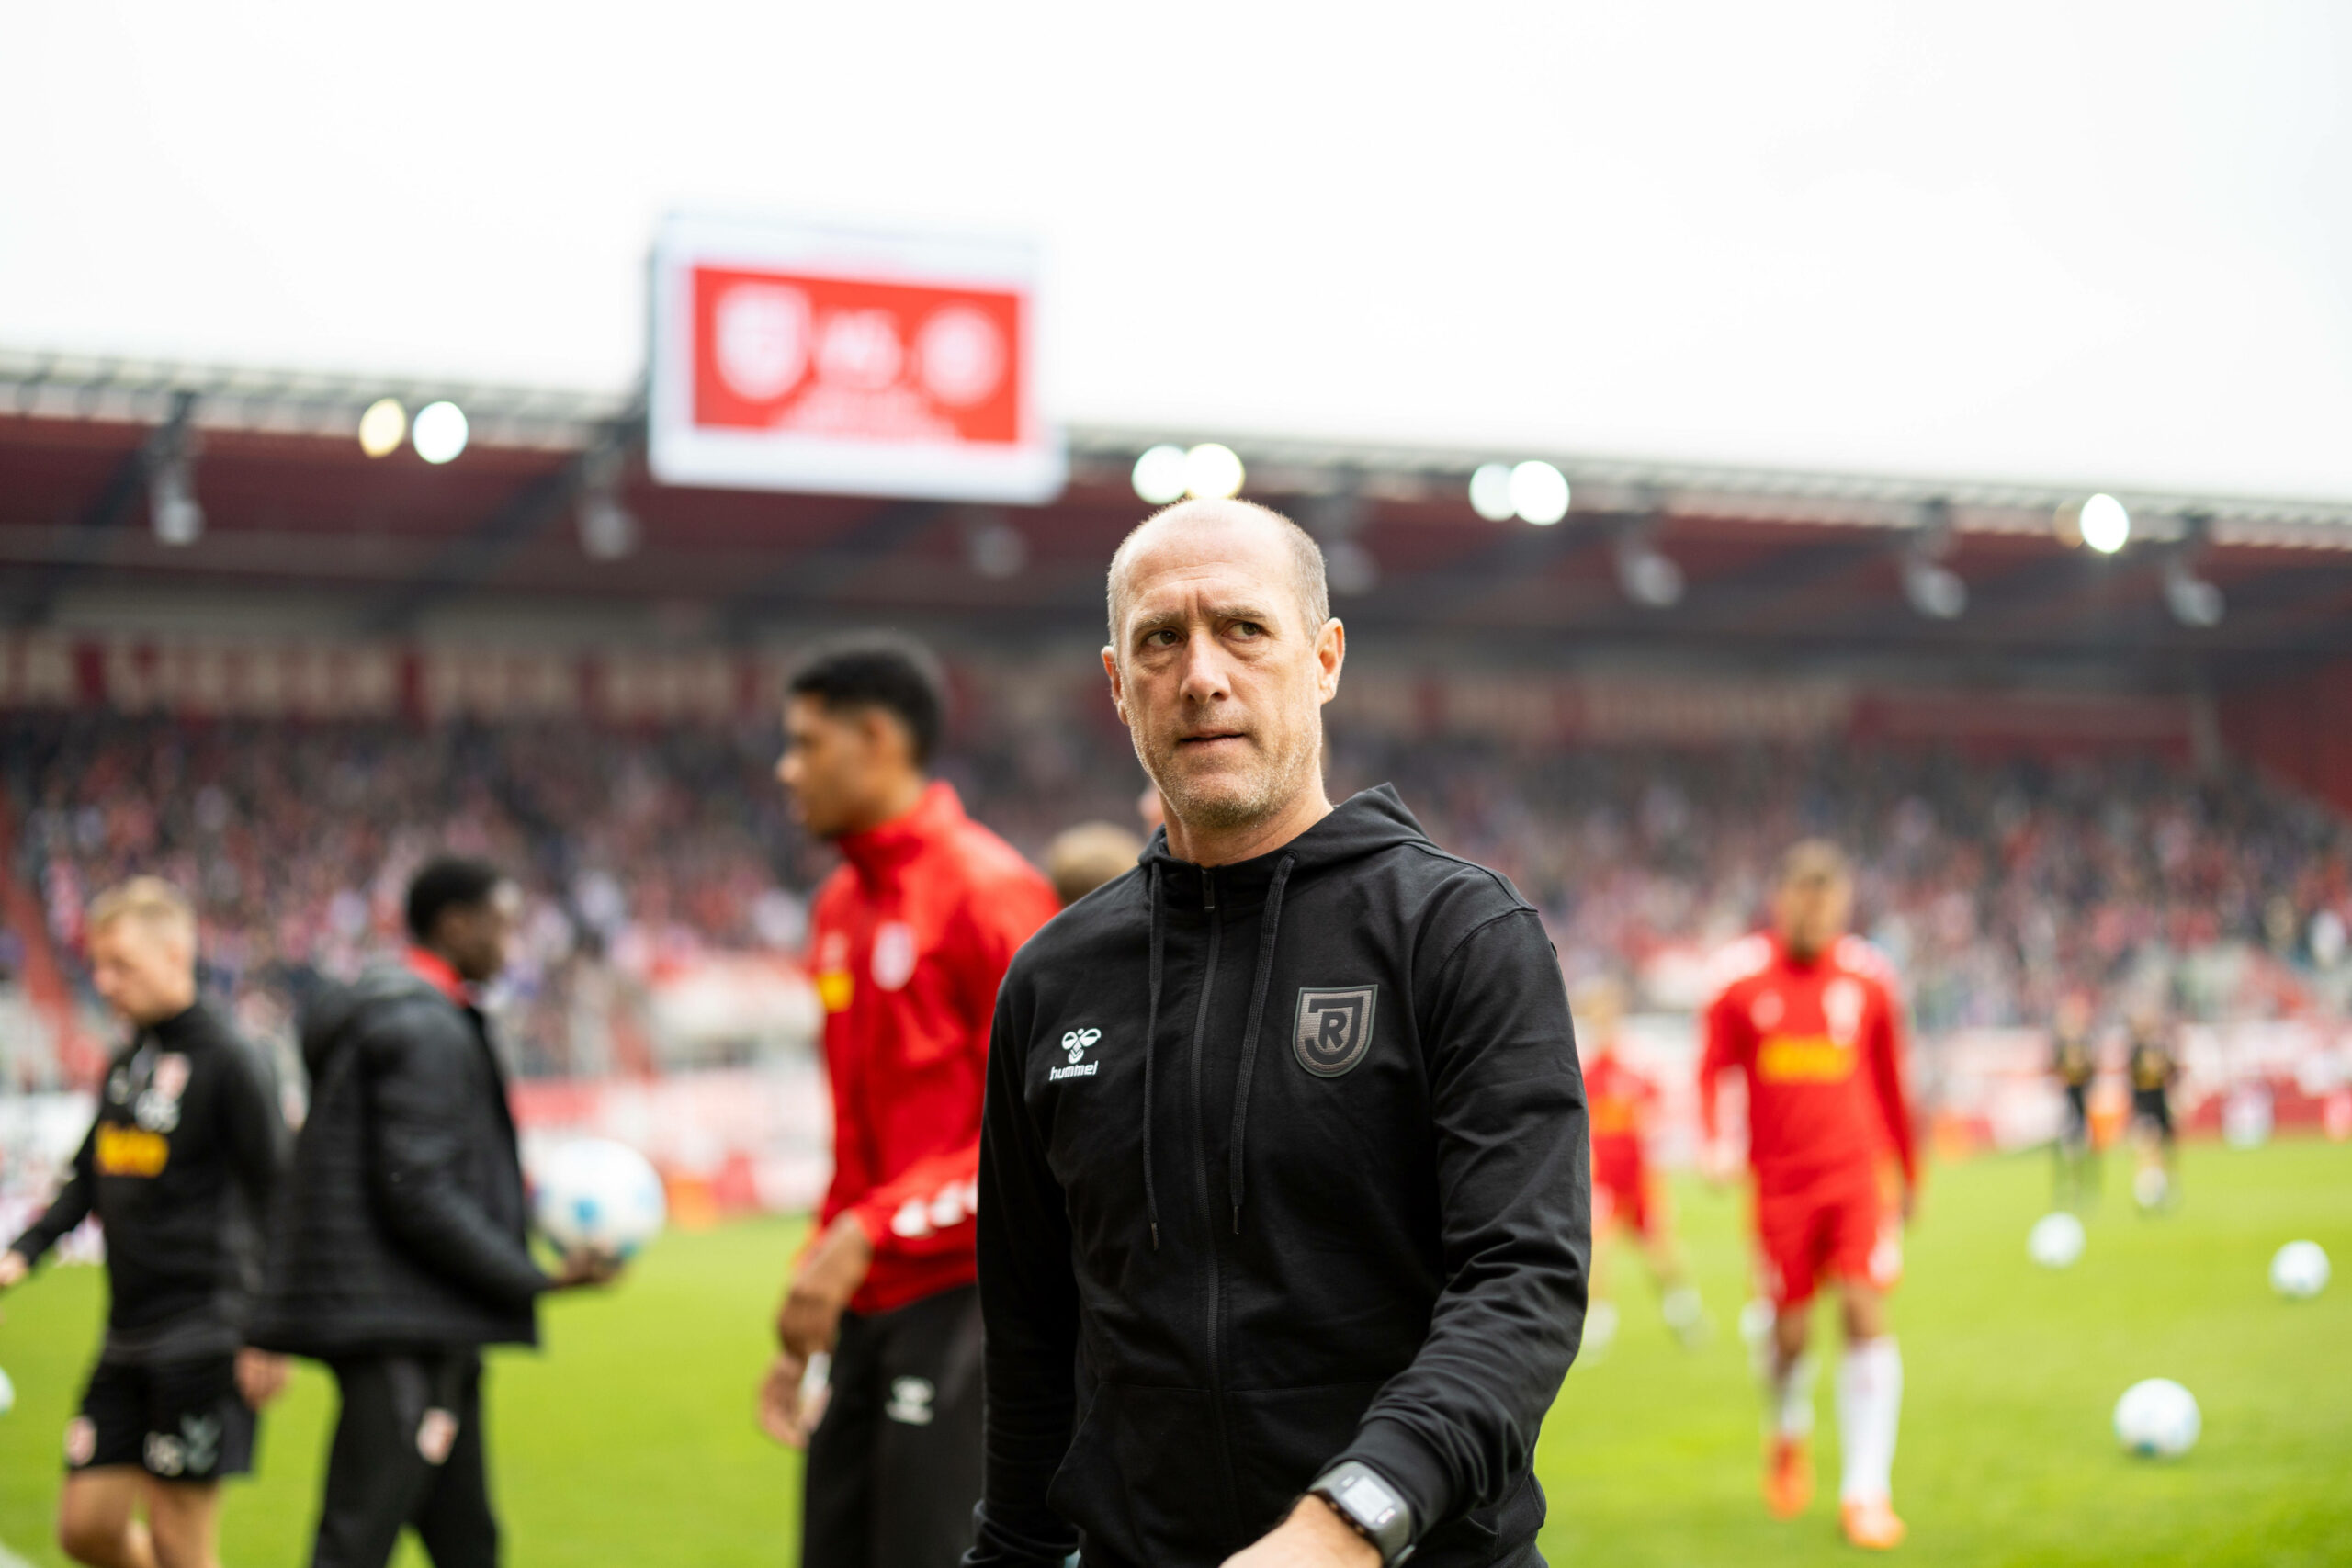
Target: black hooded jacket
{"x":1283,"y":1162}
{"x":402,"y":1225}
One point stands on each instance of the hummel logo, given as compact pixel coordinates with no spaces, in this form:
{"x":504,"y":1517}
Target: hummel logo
{"x":911,"y":1401}
{"x":1075,"y":1043}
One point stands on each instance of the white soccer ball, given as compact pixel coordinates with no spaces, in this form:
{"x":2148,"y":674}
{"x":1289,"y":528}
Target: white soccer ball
{"x":8,"y":1394}
{"x":2157,"y":1419}
{"x":2055,"y":1241}
{"x":595,"y":1195}
{"x":2299,"y":1271}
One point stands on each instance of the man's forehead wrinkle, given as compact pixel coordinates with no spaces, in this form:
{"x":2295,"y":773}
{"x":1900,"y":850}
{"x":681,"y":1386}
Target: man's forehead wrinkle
{"x":1193,"y":605}
{"x":1177,"y":593}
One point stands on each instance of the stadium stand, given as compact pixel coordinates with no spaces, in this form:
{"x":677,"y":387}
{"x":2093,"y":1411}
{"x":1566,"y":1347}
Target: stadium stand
{"x":1997,"y":881}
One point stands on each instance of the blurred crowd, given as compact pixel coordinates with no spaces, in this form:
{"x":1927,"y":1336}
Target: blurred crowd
{"x":1997,"y":885}
{"x":639,"y":853}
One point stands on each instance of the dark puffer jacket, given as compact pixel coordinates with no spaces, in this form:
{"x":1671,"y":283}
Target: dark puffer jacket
{"x":402,"y":1222}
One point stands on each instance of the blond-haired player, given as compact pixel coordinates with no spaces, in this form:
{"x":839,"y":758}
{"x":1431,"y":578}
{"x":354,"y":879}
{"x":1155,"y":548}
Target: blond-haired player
{"x":178,"y":1168}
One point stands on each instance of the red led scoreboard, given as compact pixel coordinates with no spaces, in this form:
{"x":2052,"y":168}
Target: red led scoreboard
{"x":792,"y":357}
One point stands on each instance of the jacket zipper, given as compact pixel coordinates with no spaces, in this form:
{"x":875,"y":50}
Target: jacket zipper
{"x":1201,"y":1175}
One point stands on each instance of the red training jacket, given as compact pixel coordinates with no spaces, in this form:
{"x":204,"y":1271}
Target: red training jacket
{"x":1821,"y":1046}
{"x":1621,"y":1102}
{"x":911,"y":937}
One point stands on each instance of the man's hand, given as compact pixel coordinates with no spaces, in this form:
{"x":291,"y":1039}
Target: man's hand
{"x":829,"y":1275}
{"x":1312,"y":1536}
{"x":584,"y":1269}
{"x":13,"y":1267}
{"x":261,"y":1377}
{"x":789,"y":1407}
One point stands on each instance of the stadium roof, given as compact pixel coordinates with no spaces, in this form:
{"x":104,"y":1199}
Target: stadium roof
{"x":1775,"y":564}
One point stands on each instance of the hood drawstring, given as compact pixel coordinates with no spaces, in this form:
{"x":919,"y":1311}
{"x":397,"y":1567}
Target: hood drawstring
{"x":1272,"y":923}
{"x":1150,"y":1030}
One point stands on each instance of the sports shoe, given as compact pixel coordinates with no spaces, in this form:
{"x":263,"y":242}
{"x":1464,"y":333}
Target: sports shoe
{"x":1871,"y":1524}
{"x":1788,"y":1476}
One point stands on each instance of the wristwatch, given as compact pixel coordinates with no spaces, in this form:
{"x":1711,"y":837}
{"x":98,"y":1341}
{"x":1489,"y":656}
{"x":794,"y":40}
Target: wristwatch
{"x":1371,"y":1507}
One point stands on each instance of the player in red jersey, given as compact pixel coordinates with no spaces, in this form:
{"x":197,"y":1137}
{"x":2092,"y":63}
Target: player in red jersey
{"x":911,"y":938}
{"x":1624,"y":1193}
{"x":1810,"y":1017}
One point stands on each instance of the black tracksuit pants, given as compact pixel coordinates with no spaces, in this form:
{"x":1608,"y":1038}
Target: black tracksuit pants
{"x":407,"y":1450}
{"x":894,"y":1468}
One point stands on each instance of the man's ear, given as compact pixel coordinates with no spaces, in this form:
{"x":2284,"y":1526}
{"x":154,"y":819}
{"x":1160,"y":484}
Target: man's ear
{"x":883,"y":735}
{"x":1118,"y":689}
{"x":1330,"y":654}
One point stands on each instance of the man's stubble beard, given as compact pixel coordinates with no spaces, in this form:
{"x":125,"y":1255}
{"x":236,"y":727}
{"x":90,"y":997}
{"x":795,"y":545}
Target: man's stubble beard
{"x":1257,"y":799}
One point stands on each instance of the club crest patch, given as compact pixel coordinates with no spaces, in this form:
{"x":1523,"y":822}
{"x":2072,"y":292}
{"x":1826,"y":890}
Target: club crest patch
{"x":894,"y":954}
{"x":171,"y":1074}
{"x":1334,"y":1028}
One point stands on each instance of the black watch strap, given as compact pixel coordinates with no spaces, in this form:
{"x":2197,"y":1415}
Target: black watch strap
{"x":1371,"y":1507}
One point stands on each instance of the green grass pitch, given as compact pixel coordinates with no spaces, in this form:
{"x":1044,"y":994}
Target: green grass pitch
{"x":630,"y":1438}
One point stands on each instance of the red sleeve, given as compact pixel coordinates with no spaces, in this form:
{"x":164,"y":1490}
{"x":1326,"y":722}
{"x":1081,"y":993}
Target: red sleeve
{"x":850,"y":1173}
{"x":1886,"y":1078}
{"x":928,"y":1208}
{"x":1720,"y":1051}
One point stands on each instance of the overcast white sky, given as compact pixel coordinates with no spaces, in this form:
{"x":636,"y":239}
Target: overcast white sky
{"x":2038,"y":241}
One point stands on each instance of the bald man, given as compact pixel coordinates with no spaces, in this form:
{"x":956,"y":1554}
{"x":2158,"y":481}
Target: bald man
{"x":178,"y":1168}
{"x":1285,"y":1185}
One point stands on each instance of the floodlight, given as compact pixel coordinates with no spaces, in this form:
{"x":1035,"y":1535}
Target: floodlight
{"x":2192,"y":600}
{"x":1490,"y":492}
{"x":1650,"y":579}
{"x":1936,"y":591}
{"x":1211,"y":472}
{"x":1159,"y":475}
{"x":2105,"y":525}
{"x":1539,"y":493}
{"x":439,"y":431}
{"x":608,"y":529}
{"x":382,"y":427}
{"x":171,"y":505}
{"x":1645,"y":574}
